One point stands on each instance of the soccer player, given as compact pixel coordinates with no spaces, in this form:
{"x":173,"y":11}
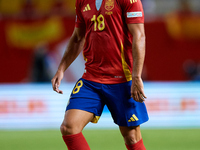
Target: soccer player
{"x":111,"y":35}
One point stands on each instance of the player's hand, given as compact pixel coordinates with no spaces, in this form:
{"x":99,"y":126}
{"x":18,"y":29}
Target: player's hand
{"x":137,"y":90}
{"x":56,"y":81}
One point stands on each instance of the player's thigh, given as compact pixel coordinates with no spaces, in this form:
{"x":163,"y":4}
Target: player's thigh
{"x":86,"y":96}
{"x":75,"y":120}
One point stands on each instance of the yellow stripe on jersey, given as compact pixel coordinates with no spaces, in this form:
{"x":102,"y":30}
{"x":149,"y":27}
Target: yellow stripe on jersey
{"x":125,"y":66}
{"x":84,"y":57}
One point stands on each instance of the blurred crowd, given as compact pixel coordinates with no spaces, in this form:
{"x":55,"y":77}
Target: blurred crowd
{"x":30,"y":9}
{"x":37,"y":8}
{"x":192,"y":70}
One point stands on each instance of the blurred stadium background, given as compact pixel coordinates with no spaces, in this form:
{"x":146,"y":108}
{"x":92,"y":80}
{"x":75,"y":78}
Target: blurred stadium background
{"x":33,"y":37}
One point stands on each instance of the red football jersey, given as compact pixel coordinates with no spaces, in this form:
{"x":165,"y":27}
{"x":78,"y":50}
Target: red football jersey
{"x":108,"y":43}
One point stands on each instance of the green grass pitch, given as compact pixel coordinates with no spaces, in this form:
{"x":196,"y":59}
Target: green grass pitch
{"x":103,"y":139}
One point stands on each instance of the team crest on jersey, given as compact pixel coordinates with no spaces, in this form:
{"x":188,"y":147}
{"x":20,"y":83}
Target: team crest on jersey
{"x":109,"y":4}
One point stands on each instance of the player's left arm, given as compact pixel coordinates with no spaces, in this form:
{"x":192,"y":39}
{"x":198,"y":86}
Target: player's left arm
{"x":138,"y":52}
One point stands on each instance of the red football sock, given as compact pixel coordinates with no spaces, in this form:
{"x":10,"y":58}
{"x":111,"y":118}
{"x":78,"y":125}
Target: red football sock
{"x":137,"y":146}
{"x":76,"y":142}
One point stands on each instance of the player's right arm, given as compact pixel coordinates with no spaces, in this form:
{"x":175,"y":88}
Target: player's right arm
{"x":75,"y":46}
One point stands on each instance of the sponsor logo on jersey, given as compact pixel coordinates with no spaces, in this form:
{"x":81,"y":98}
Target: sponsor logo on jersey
{"x":109,"y":4}
{"x":133,"y":118}
{"x":87,"y":8}
{"x":134,"y":14}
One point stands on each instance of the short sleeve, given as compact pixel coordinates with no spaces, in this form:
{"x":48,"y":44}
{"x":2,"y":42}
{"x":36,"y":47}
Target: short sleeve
{"x":79,"y":18}
{"x":133,"y":11}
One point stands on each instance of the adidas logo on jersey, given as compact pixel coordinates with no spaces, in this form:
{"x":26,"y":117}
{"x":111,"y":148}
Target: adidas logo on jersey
{"x":87,"y":8}
{"x":133,"y":1}
{"x":133,"y":118}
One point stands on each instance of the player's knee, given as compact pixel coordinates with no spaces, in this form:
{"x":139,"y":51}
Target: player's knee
{"x":130,"y":139}
{"x":131,"y":135}
{"x":67,"y":129}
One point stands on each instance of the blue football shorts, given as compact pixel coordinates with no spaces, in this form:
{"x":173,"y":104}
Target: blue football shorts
{"x":92,"y":97}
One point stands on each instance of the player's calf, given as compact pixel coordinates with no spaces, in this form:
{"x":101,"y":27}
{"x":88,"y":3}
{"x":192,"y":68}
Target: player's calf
{"x":76,"y":142}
